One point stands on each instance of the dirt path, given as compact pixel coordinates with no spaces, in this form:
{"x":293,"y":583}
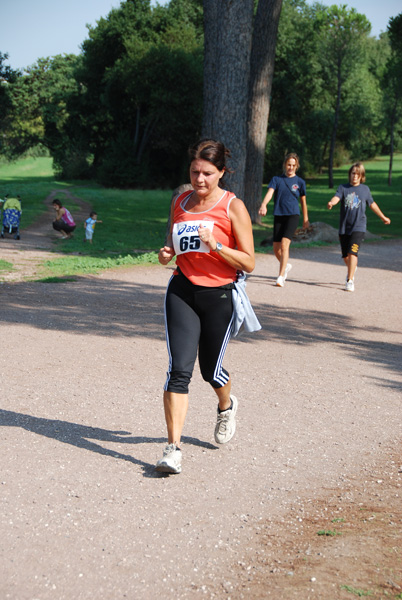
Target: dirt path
{"x":317,"y":449}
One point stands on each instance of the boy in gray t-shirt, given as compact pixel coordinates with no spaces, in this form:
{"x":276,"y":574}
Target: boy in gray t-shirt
{"x":354,"y":197}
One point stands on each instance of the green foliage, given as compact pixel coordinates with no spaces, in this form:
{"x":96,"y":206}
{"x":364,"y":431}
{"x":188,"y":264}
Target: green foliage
{"x":124,"y":111}
{"x":312,"y":41}
{"x":300,"y":117}
{"x":141,"y":77}
{"x":392,"y":84}
{"x":356,"y":591}
{"x":38,"y":100}
{"x":7,"y":77}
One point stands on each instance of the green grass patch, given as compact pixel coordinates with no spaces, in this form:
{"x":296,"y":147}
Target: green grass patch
{"x":133,"y":221}
{"x":74,"y":265}
{"x":328,"y":532}
{"x":6,"y":266}
{"x":356,"y":592}
{"x":33,"y":180}
{"x":57,"y":280}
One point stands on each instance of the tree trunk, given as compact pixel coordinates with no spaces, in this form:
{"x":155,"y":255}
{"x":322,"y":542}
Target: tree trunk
{"x":391,"y":143}
{"x":227,"y":34}
{"x":261,"y":76}
{"x":334,"y":129}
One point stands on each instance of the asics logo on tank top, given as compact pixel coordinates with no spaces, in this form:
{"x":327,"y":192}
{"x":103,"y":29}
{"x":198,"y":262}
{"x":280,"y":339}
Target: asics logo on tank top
{"x":187,"y":228}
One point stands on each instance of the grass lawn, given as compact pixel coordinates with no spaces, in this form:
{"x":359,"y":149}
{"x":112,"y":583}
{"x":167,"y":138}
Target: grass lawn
{"x":134,"y":221}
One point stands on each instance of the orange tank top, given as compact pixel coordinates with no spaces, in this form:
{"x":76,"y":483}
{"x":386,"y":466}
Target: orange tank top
{"x":194,"y":258}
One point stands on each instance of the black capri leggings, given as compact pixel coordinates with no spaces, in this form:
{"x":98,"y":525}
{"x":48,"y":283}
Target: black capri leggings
{"x":196,"y":318}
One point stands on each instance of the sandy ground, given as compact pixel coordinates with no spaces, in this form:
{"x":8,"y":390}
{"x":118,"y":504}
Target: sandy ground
{"x":304,"y":502}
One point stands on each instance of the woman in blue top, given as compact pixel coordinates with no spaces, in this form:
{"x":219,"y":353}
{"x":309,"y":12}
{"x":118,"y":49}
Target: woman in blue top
{"x":289,"y":190}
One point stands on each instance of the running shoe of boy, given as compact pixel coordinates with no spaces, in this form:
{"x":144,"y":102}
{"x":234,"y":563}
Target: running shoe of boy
{"x":170,"y":461}
{"x":350,"y":286}
{"x":280,"y":282}
{"x":226,"y":423}
{"x":288,"y":267}
{"x":346,"y":280}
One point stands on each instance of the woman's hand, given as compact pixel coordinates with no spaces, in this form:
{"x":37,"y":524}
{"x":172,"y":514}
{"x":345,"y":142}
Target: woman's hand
{"x":262,"y":211}
{"x":165,"y":255}
{"x":207,"y":237}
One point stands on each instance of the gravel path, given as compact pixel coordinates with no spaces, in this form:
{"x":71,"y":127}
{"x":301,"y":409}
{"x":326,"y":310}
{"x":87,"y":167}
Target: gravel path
{"x":83,"y":364}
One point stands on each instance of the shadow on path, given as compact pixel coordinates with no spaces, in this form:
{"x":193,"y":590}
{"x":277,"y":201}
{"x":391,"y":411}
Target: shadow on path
{"x":303,"y":327}
{"x":86,"y":437}
{"x":136,"y":310}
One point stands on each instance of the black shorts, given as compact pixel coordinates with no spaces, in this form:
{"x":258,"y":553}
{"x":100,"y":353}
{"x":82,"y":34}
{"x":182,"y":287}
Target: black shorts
{"x":350,"y":244}
{"x":285,"y":226}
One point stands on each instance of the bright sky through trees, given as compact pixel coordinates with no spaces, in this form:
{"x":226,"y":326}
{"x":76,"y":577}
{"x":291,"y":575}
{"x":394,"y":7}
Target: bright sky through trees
{"x":32,"y":30}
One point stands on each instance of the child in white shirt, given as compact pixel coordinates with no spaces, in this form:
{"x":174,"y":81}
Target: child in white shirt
{"x":89,"y":226}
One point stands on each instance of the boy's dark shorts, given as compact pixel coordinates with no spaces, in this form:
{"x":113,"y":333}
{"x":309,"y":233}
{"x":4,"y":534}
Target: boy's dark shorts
{"x":350,"y":244}
{"x":285,"y":226}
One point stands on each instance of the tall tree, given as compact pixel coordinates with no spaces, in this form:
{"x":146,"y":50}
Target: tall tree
{"x":238,"y":69}
{"x":259,"y":94}
{"x":227,"y":50}
{"x":8,"y":76}
{"x":141,"y":72}
{"x":393,"y":83}
{"x":39,"y":104}
{"x":341,"y":33}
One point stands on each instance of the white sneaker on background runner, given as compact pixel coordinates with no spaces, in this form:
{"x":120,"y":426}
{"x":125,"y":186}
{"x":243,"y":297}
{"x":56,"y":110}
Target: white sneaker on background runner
{"x":288,"y":267}
{"x":350,"y":286}
{"x":346,"y":280}
{"x":280,"y":282}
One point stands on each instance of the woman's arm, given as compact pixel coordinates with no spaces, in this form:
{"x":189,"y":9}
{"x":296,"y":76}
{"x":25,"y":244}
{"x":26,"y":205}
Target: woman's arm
{"x":264,"y":203}
{"x":167,"y":252}
{"x":303,"y":203}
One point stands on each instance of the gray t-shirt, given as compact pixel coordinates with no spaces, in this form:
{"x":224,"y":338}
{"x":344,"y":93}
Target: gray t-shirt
{"x":354,"y":200}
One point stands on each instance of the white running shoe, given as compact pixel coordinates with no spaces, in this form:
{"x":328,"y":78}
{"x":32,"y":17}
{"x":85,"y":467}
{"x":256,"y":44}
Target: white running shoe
{"x":280,"y":282}
{"x":350,"y":286}
{"x":170,"y":461}
{"x":288,"y":267}
{"x":226,"y":423}
{"x":346,"y":280}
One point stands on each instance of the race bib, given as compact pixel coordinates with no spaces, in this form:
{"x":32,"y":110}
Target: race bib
{"x":186,"y":239}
